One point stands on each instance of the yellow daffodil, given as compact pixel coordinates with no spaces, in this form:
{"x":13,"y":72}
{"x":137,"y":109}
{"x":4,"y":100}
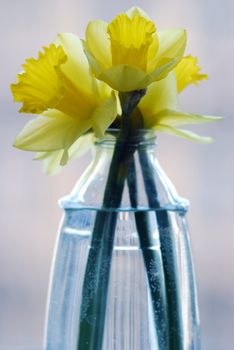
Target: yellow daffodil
{"x":129,"y":53}
{"x":73,"y":86}
{"x":70,"y":101}
{"x":159,"y":107}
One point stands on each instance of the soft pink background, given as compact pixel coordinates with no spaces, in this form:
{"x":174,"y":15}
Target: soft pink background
{"x":203,"y":174}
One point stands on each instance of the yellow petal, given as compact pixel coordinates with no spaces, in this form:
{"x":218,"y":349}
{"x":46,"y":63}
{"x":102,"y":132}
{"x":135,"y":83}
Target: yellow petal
{"x":135,"y":10}
{"x":52,"y":164}
{"x":64,"y":158}
{"x":103,"y":90}
{"x":105,"y":114}
{"x":172,"y":44}
{"x":96,"y":66}
{"x":77,"y":67}
{"x":165,"y":65}
{"x":39,"y":86}
{"x":177,"y":118}
{"x":125,"y":78}
{"x":52,"y":160}
{"x":188,"y":72}
{"x":130,"y":40}
{"x":81,"y":146}
{"x":152,"y":52}
{"x":188,"y":135}
{"x":50,"y":133}
{"x":160,"y":95}
{"x":98,"y":43}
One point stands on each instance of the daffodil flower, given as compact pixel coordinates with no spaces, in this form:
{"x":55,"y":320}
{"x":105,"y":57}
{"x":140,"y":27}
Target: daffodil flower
{"x":129,"y":53}
{"x":58,"y":86}
{"x":159,"y":107}
{"x":125,"y":55}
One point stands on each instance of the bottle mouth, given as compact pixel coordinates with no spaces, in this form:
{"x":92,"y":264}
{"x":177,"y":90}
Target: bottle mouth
{"x":139,"y":137}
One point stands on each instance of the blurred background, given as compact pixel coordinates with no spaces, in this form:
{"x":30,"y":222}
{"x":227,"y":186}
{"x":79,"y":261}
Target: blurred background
{"x":204,"y":174}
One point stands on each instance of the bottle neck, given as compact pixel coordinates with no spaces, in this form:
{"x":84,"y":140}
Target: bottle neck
{"x":127,"y":166}
{"x":141,"y":138}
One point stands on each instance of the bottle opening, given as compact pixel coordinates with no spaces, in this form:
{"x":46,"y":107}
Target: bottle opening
{"x":140,"y":137}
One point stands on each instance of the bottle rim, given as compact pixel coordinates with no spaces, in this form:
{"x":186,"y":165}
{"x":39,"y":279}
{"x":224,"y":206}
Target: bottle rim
{"x":140,"y":137}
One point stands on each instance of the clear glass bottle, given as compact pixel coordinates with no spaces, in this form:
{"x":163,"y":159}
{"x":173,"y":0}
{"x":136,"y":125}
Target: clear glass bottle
{"x":131,"y":287}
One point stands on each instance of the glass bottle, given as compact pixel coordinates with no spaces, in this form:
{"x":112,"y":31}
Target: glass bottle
{"x":122,"y":276}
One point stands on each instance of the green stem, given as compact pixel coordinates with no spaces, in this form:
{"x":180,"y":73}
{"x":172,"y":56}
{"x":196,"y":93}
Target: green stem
{"x":95,"y":286}
{"x":153,"y":264}
{"x":168,"y":249}
{"x":96,"y":279}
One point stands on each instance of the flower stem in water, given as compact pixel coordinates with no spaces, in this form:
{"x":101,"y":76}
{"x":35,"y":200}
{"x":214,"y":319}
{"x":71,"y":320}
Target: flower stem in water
{"x":153,"y":264}
{"x":168,"y":249}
